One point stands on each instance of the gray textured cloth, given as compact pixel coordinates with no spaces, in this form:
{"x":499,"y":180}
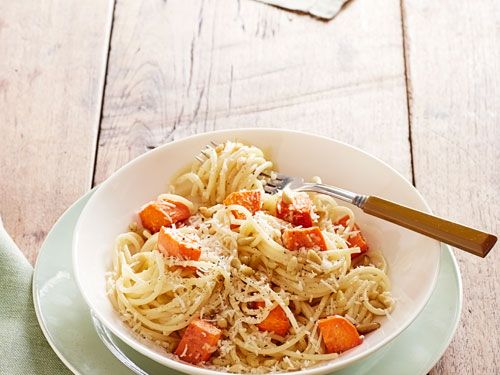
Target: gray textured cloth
{"x":326,"y":9}
{"x":23,"y":348}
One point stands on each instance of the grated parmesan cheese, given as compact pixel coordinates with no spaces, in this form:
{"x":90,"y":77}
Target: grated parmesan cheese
{"x":243,"y":261}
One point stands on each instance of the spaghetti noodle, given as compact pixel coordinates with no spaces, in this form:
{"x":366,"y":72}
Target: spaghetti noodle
{"x":245,"y":262}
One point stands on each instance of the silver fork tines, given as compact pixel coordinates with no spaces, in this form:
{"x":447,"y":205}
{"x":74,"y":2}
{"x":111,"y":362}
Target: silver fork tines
{"x":279,"y":181}
{"x":275,"y":182}
{"x":204,"y":155}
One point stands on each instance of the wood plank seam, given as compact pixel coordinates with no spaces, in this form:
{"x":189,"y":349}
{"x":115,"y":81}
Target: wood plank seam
{"x":408,"y":84}
{"x":103,"y":91}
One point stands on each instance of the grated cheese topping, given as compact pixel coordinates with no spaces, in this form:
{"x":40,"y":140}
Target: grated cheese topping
{"x":243,"y":261}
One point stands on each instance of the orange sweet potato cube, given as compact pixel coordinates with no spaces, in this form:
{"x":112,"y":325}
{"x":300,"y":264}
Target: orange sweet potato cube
{"x":153,"y":217}
{"x":296,"y":238}
{"x":298,"y":212}
{"x":359,"y":241}
{"x":173,"y":243}
{"x":356,"y":239}
{"x":162,"y":213}
{"x":276,"y":321}
{"x":344,"y":220}
{"x":339,"y":334}
{"x":198,"y":342}
{"x":251,"y":200}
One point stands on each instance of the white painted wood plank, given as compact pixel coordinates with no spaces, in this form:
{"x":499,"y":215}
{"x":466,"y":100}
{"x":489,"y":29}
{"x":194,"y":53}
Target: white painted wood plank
{"x":178,"y":68}
{"x":454,"y":59}
{"x":52,"y":62}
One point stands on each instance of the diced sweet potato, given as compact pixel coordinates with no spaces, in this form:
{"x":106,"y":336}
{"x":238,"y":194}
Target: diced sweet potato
{"x":344,"y":220}
{"x":356,"y":239}
{"x":173,"y":243}
{"x":296,"y":238}
{"x":153,"y":217}
{"x":177,"y":210}
{"x":359,"y":241}
{"x":298,"y":212}
{"x":338,"y":334}
{"x":276,"y":321}
{"x":162,"y":213}
{"x":251,"y":200}
{"x":198,"y":342}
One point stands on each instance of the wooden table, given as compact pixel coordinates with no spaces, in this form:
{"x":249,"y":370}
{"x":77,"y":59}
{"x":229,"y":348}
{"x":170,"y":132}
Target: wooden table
{"x":86,"y":86}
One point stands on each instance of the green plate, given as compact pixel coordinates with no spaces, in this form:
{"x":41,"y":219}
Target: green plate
{"x":67,"y":324}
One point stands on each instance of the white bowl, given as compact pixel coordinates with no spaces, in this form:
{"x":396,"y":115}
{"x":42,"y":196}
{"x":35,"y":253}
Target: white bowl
{"x":413,"y":259}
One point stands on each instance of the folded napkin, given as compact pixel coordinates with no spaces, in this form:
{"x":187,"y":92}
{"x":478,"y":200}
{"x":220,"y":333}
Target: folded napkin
{"x":326,"y":9}
{"x":23,"y":348}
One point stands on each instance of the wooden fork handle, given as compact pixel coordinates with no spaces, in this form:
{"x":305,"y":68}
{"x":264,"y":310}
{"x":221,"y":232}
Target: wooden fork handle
{"x":457,"y":235}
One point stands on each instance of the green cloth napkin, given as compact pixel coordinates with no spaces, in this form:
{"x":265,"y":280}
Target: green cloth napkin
{"x":23,"y":348}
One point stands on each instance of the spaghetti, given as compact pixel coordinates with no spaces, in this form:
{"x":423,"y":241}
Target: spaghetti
{"x":247,"y":271}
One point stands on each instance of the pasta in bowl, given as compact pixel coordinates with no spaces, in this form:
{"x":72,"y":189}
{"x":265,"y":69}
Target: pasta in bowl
{"x":224,"y":275}
{"x":216,"y":273}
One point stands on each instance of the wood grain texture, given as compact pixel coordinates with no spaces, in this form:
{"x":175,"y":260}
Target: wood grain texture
{"x":178,"y":68}
{"x":453,"y":55}
{"x":52,"y":63}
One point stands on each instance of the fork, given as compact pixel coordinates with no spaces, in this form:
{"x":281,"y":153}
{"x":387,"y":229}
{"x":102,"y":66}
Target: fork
{"x":471,"y":240}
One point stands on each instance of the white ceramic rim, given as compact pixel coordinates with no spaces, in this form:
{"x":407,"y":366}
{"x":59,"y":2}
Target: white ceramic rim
{"x":46,"y":333}
{"x":190,"y":369}
{"x":36,"y":301}
{"x":460,"y":306}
